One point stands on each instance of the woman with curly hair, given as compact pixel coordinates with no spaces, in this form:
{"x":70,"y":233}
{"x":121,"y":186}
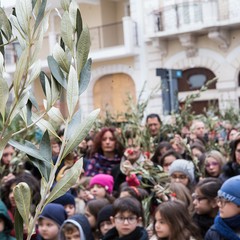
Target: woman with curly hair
{"x":106,"y":153}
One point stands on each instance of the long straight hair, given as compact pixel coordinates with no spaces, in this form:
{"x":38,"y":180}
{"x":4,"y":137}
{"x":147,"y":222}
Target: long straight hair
{"x":175,"y":214}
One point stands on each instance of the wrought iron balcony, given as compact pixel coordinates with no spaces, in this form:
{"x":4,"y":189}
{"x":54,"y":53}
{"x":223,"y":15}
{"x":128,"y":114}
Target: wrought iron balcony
{"x":187,"y":16}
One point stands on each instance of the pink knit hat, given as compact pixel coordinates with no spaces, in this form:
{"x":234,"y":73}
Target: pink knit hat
{"x":104,"y":180}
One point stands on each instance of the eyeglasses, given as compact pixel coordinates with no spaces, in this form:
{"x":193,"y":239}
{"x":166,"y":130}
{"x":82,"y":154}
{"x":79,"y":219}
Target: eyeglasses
{"x":130,"y":220}
{"x":198,"y":198}
{"x":214,"y":164}
{"x":181,"y":176}
{"x":222,"y":201}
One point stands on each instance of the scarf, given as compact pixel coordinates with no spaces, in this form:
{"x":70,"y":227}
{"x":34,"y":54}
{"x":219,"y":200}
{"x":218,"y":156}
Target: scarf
{"x":225,"y":227}
{"x":204,"y":222}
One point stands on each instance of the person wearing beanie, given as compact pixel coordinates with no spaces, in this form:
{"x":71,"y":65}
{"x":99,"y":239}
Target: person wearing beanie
{"x":76,"y":227}
{"x":104,"y":223}
{"x":101,"y":185}
{"x":227,"y":222}
{"x":50,"y":220}
{"x":68,"y":202}
{"x":6,"y":224}
{"x":182,"y":171}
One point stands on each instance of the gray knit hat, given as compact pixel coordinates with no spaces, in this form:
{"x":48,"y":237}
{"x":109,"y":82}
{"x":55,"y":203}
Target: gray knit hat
{"x":184,"y":166}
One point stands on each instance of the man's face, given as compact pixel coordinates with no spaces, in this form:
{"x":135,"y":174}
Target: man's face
{"x":154,"y":126}
{"x":199,"y":130}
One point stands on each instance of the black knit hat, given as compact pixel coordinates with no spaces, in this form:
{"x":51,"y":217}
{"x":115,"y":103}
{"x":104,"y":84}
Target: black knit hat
{"x":104,"y":214}
{"x":65,"y":199}
{"x":55,"y":212}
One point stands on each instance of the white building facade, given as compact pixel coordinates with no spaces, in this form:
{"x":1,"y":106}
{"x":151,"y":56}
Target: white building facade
{"x":132,"y":38}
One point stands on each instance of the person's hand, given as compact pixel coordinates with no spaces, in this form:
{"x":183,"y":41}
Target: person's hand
{"x":7,"y":178}
{"x":89,"y":196}
{"x":159,"y":192}
{"x":126,"y":167}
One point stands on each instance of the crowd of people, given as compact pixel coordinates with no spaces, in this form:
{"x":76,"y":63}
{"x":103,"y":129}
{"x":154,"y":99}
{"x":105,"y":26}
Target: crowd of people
{"x":196,"y":194}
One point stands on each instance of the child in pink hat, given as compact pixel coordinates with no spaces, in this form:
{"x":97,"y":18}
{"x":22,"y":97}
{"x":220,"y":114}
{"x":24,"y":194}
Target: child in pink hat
{"x":101,"y":186}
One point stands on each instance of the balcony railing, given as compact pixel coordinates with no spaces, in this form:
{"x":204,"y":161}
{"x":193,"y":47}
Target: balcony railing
{"x":200,"y":13}
{"x":110,"y":35}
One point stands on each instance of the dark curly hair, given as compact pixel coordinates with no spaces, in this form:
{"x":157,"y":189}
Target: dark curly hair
{"x":97,"y":148}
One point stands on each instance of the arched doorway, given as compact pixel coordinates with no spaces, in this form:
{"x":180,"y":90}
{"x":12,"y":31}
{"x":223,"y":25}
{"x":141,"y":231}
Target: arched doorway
{"x":111,"y":92}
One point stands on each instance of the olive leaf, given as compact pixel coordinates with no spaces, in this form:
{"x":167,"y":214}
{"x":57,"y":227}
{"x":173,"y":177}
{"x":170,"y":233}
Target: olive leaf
{"x":72,"y":91}
{"x":81,"y":130}
{"x":22,"y":197}
{"x":83,"y":48}
{"x":4,"y":94}
{"x":66,"y":182}
{"x":18,"y":225}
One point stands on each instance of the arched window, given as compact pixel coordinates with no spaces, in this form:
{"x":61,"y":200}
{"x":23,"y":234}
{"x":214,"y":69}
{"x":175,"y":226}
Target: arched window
{"x":195,"y":78}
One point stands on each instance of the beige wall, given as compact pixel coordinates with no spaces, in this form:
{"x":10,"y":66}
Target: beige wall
{"x":125,"y":61}
{"x":91,"y":15}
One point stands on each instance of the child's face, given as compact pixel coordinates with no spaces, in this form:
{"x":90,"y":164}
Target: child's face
{"x":227,"y":209}
{"x":125,"y":222}
{"x":91,"y":219}
{"x":161,"y":227}
{"x":2,"y":225}
{"x":212,"y":166}
{"x":105,"y":226}
{"x":11,"y":196}
{"x":73,"y":235}
{"x":202,"y":204}
{"x":48,"y":229}
{"x":70,"y":209}
{"x":98,"y":191}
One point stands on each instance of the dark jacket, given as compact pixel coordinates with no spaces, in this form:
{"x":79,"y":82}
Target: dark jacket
{"x":138,"y":234}
{"x":212,"y":234}
{"x":81,"y":222}
{"x":229,"y":170}
{"x":204,"y":223}
{"x":5,"y":235}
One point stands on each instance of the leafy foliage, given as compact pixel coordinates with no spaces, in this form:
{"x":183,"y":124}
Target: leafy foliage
{"x":70,"y":72}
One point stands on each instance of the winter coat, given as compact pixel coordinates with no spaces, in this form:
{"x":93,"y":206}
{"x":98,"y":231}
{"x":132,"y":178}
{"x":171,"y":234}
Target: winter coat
{"x":81,"y":222}
{"x":212,"y":234}
{"x":204,"y":222}
{"x":100,"y":164}
{"x":139,"y":233}
{"x":5,"y":235}
{"x":229,"y":170}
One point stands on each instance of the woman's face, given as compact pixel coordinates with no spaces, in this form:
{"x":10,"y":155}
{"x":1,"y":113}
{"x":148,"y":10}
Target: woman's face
{"x":168,"y":160}
{"x":108,"y":142}
{"x":232,"y":134}
{"x":212,"y":167}
{"x":203,"y":205}
{"x":237,"y":153}
{"x":179,"y":177}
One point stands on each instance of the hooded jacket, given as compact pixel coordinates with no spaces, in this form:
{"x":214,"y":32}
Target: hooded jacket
{"x":81,"y":222}
{"x":5,"y":235}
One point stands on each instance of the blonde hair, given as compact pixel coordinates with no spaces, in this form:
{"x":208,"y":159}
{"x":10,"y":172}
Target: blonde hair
{"x":217,"y":156}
